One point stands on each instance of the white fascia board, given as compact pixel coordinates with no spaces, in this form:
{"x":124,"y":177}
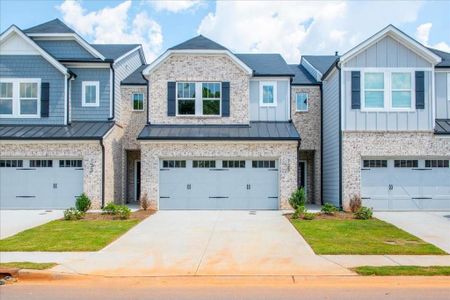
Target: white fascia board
{"x":399,"y":36}
{"x":42,"y":52}
{"x":126,"y":54}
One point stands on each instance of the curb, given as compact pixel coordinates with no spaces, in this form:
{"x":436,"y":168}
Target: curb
{"x":44,"y":275}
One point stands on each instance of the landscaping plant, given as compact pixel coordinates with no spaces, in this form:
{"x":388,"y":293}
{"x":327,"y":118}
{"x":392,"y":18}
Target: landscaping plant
{"x":123,"y":212}
{"x":363,"y":213}
{"x":144,"y":202}
{"x":299,"y":211}
{"x":73,"y":214}
{"x":328,"y":209}
{"x":309,"y":216}
{"x":355,"y":203}
{"x":298,"y":198}
{"x":83,"y":203}
{"x":109,"y":209}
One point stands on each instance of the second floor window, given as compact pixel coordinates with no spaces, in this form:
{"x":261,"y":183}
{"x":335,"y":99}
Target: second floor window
{"x":199,"y":98}
{"x":301,"y":100}
{"x":186,"y":98}
{"x":138,"y":102}
{"x":90,"y":93}
{"x":268,"y":93}
{"x":374,"y":90}
{"x":401,"y":90}
{"x":211,"y":98}
{"x":19,"y":98}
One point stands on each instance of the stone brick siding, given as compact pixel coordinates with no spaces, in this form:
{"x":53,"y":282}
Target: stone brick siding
{"x":133,"y":121}
{"x":113,"y":170}
{"x":357,"y":145}
{"x":152,"y":152}
{"x":192,"y":67}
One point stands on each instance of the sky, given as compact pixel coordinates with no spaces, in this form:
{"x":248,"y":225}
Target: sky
{"x":291,"y":28}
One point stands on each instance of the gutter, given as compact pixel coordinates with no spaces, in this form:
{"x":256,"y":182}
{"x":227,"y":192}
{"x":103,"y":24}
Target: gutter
{"x":148,"y":100}
{"x":340,"y":137}
{"x":321,"y":145}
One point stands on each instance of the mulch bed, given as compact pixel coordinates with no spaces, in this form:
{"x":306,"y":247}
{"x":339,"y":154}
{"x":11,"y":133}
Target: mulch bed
{"x":137,"y":215}
{"x":340,"y":215}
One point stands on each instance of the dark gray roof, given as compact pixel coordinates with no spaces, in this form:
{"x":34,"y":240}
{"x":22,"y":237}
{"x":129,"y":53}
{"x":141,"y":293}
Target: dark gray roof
{"x":75,"y":131}
{"x":445,"y":63}
{"x":442,"y":126}
{"x":321,"y":62}
{"x":302,"y":76}
{"x":260,"y":131}
{"x":114,"y":51}
{"x":198,"y":43}
{"x":266,"y":64}
{"x":53,"y":26}
{"x":135,"y":78}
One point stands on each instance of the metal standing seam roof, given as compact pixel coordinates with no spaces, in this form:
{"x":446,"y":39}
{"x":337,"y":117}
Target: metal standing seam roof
{"x":302,"y":76}
{"x":135,"y":78}
{"x":445,"y":63}
{"x":261,"y":131}
{"x":75,"y":131}
{"x":266,"y":64}
{"x":442,"y":126}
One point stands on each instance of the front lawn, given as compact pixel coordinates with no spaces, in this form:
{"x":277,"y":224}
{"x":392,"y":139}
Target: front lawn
{"x":27,"y":265}
{"x":351,"y":236}
{"x":403,"y":271}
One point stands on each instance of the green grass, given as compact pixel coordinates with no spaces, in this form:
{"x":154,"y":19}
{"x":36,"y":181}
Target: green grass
{"x":403,"y":271}
{"x":361,"y":237}
{"x":60,"y":235}
{"x":27,"y":265}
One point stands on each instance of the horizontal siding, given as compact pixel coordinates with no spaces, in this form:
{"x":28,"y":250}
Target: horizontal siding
{"x":442,"y":103}
{"x":35,"y":66}
{"x":64,"y":49}
{"x":277,"y":113}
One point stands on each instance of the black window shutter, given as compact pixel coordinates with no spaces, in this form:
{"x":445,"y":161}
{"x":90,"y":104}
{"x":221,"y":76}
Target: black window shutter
{"x":171,"y":98}
{"x":420,"y":89}
{"x":45,"y":99}
{"x":225,"y":99}
{"x":356,"y":90}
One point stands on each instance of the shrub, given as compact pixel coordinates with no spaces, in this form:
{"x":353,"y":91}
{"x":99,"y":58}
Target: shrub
{"x":363,"y":213}
{"x":144,"y":202}
{"x":73,"y":214}
{"x":328,"y":209}
{"x":355,"y":203}
{"x":309,"y":216}
{"x":110,"y":209}
{"x":299,"y":211}
{"x":123,"y":212}
{"x":298,"y":198}
{"x":83,"y":203}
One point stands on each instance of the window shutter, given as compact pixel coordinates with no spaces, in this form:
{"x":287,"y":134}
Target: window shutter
{"x":171,"y":98}
{"x":45,"y":99}
{"x":420,"y":89}
{"x":225,"y":99}
{"x":356,"y":90}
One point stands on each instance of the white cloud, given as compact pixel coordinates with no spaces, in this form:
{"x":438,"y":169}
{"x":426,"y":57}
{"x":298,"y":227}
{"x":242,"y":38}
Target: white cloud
{"x":111,"y":25}
{"x":292,"y":28}
{"x":423,"y":36}
{"x":442,"y":46}
{"x":174,"y":6}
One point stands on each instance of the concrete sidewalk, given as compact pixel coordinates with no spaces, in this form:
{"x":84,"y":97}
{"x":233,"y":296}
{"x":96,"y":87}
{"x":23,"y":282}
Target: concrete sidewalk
{"x":15,"y":221}
{"x":351,"y":261}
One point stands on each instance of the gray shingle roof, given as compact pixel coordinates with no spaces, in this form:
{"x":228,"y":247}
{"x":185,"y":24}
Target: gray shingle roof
{"x":445,"y":63}
{"x":321,"y":62}
{"x":114,"y":51}
{"x":266,"y":64}
{"x":53,"y":26}
{"x":75,"y":131}
{"x":257,"y":131}
{"x":442,"y":126}
{"x":135,"y":78}
{"x":302,"y":76}
{"x":198,"y":43}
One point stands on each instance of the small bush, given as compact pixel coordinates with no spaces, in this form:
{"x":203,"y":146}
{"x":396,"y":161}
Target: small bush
{"x":363,"y":213}
{"x":83,"y":203}
{"x":110,"y":209}
{"x":355,"y":203}
{"x":144,"y":202}
{"x":123,"y":212}
{"x":298,"y":198}
{"x":299,"y":211}
{"x":72,"y":214}
{"x":309,"y":216}
{"x":328,"y":209}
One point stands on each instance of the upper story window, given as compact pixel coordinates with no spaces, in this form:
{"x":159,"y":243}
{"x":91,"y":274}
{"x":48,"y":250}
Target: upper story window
{"x":374,"y":90}
{"x":19,"y":98}
{"x":211,"y":98}
{"x":401,"y":90}
{"x":186,"y":98}
{"x":268,"y":93}
{"x":199,"y":98}
{"x":138,"y":102}
{"x":90,"y":93}
{"x":301,"y":100}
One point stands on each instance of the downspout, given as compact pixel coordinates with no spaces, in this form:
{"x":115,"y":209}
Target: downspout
{"x":113,"y":90}
{"x":321,"y":144}
{"x":103,"y":171}
{"x":71,"y":75}
{"x":148,"y":100}
{"x":340,"y":139}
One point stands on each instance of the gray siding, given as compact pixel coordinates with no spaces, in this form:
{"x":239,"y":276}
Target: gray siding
{"x":34,"y":66}
{"x":64,"y":49}
{"x":100,"y":113}
{"x":331,"y":134}
{"x":442,"y":103}
{"x":387,"y":53}
{"x":275,"y":113}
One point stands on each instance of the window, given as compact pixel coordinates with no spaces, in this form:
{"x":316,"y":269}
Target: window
{"x":204,"y":164}
{"x":41,"y":163}
{"x":301,"y":100}
{"x":71,"y":163}
{"x":6,"y":98}
{"x":374,"y":90}
{"x":20,"y":97}
{"x":186,"y":98}
{"x":375,"y":163}
{"x":263,"y":164}
{"x":90,"y":93}
{"x":401,"y":90}
{"x":268,"y":93}
{"x":28,"y":98}
{"x":138,"y":101}
{"x":436,"y":163}
{"x":211,"y":98}
{"x":11,"y":163}
{"x":233,"y":164}
{"x":406,"y":163}
{"x":174,"y":164}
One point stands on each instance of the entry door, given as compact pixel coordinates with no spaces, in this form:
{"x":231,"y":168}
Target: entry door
{"x":137,"y":180}
{"x":302,"y":172}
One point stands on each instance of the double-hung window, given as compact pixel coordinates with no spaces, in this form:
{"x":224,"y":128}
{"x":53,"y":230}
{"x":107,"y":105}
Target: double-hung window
{"x":301,"y":100}
{"x":138,"y":101}
{"x":186,"y":98}
{"x":268,"y":93}
{"x":6,"y":98}
{"x":401,"y":90}
{"x":373,"y":90}
{"x":211,"y":98}
{"x":90,"y":93}
{"x":199,"y":98}
{"x":20,"y":98}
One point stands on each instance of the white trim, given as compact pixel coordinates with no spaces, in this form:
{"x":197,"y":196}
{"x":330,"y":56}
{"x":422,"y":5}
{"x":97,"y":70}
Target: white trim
{"x":96,"y":65}
{"x":400,"y":69}
{"x":217,"y":142}
{"x":198,"y":100}
{"x":65,"y":99}
{"x":307,"y":102}
{"x":261,"y":87}
{"x":135,"y":179}
{"x":262,"y":78}
{"x":126,"y":54}
{"x":97,"y":93}
{"x":16,"y":98}
{"x":42,"y":52}
{"x":318,"y":75}
{"x":111,"y":91}
{"x":306,"y":174}
{"x":132,"y":101}
{"x":448,"y":86}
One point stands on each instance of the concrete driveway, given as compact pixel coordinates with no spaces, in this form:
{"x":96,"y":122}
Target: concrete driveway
{"x":14,"y":221}
{"x":432,"y":227}
{"x":208,"y":243}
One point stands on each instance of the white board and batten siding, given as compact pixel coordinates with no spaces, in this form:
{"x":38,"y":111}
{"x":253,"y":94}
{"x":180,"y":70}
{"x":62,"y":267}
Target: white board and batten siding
{"x":442,"y":95}
{"x":279,"y":112}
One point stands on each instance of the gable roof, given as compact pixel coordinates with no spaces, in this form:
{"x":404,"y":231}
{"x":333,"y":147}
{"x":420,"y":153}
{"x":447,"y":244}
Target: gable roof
{"x":198,"y":43}
{"x":445,"y":56}
{"x":135,"y":78}
{"x":321,"y":62}
{"x":266,"y":64}
{"x":53,"y":26}
{"x":302,"y":76}
{"x":114,"y":51}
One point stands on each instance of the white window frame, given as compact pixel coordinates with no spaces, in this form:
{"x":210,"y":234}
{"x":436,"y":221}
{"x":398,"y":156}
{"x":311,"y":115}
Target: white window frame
{"x":84,"y":84}
{"x":212,"y":99}
{"x":261,"y":87}
{"x":177,"y":99}
{"x":16,"y":97}
{"x":198,"y":99}
{"x":307,"y":102}
{"x":132,"y":101}
{"x":388,"y":90}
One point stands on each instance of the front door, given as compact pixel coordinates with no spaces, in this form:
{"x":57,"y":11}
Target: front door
{"x":137,"y":180}
{"x":302,"y":174}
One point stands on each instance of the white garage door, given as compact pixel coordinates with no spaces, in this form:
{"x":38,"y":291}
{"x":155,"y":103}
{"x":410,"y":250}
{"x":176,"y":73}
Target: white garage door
{"x":40,"y":183}
{"x":406,"y":184}
{"x":218,"y":184}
